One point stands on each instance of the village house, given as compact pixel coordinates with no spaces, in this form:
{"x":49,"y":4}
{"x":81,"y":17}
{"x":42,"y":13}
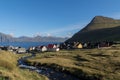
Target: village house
{"x":104,"y":45}
{"x":37,"y":48}
{"x":52,"y":47}
{"x":0,"y":48}
{"x":77,"y":45}
{"x":85,"y":45}
{"x":15,"y":48}
{"x":63,"y":46}
{"x":10,"y":48}
{"x":21,"y":50}
{"x":7,"y":48}
{"x":31,"y":48}
{"x":43,"y":48}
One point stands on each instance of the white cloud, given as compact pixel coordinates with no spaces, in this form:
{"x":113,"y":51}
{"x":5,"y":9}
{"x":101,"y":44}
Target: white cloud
{"x":48,"y":34}
{"x":67,"y":28}
{"x":115,"y":15}
{"x":69,"y":34}
{"x":37,"y":34}
{"x":11,"y":34}
{"x":66,"y":31}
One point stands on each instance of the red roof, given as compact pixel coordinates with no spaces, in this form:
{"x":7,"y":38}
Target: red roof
{"x":50,"y":45}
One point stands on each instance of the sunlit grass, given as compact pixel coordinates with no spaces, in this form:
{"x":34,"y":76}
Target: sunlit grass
{"x":10,"y":71}
{"x":101,"y":64}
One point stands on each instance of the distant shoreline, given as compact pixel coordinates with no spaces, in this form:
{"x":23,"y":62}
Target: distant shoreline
{"x":26,"y":44}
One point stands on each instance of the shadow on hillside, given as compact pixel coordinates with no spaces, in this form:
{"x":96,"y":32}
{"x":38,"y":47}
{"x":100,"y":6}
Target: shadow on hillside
{"x":109,"y":34}
{"x":99,"y":55}
{"x":79,"y":58}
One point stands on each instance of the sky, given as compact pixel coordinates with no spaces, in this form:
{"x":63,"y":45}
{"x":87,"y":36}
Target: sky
{"x":60,"y":18}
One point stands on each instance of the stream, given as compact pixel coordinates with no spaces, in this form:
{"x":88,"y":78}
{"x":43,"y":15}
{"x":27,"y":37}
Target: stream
{"x":49,"y":72}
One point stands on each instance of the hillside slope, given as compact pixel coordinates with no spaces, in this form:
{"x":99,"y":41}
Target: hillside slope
{"x":100,"y":22}
{"x":10,"y":71}
{"x":99,"y":29}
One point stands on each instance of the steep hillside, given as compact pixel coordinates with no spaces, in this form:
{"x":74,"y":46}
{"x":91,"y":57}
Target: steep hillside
{"x":99,"y":29}
{"x":100,"y":22}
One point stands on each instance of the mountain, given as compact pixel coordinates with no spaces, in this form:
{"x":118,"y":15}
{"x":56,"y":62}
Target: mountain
{"x":40,"y":39}
{"x":99,"y":29}
{"x":8,"y":38}
{"x":100,"y":22}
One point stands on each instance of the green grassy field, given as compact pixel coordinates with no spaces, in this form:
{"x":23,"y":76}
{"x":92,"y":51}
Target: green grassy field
{"x":87,"y":64}
{"x":10,"y":71}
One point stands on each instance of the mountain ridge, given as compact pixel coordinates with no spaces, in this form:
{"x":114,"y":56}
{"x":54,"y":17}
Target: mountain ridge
{"x":99,"y":29}
{"x":100,"y":22}
{"x":9,"y":38}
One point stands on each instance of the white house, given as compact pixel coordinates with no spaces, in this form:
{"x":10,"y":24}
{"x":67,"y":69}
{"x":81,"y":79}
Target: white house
{"x":21,"y":50}
{"x":43,"y":48}
{"x":52,"y":47}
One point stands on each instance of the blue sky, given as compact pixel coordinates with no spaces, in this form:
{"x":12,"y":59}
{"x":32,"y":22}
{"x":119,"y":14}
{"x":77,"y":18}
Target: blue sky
{"x":60,"y":18}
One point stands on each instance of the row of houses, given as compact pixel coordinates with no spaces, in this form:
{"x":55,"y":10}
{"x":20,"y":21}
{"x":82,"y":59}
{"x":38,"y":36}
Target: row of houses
{"x":14,"y":49}
{"x":85,"y":45}
{"x":43,"y":48}
{"x":57,"y":47}
{"x":49,"y":47}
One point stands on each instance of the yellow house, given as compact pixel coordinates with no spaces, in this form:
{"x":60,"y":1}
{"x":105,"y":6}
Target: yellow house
{"x":79,"y":46}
